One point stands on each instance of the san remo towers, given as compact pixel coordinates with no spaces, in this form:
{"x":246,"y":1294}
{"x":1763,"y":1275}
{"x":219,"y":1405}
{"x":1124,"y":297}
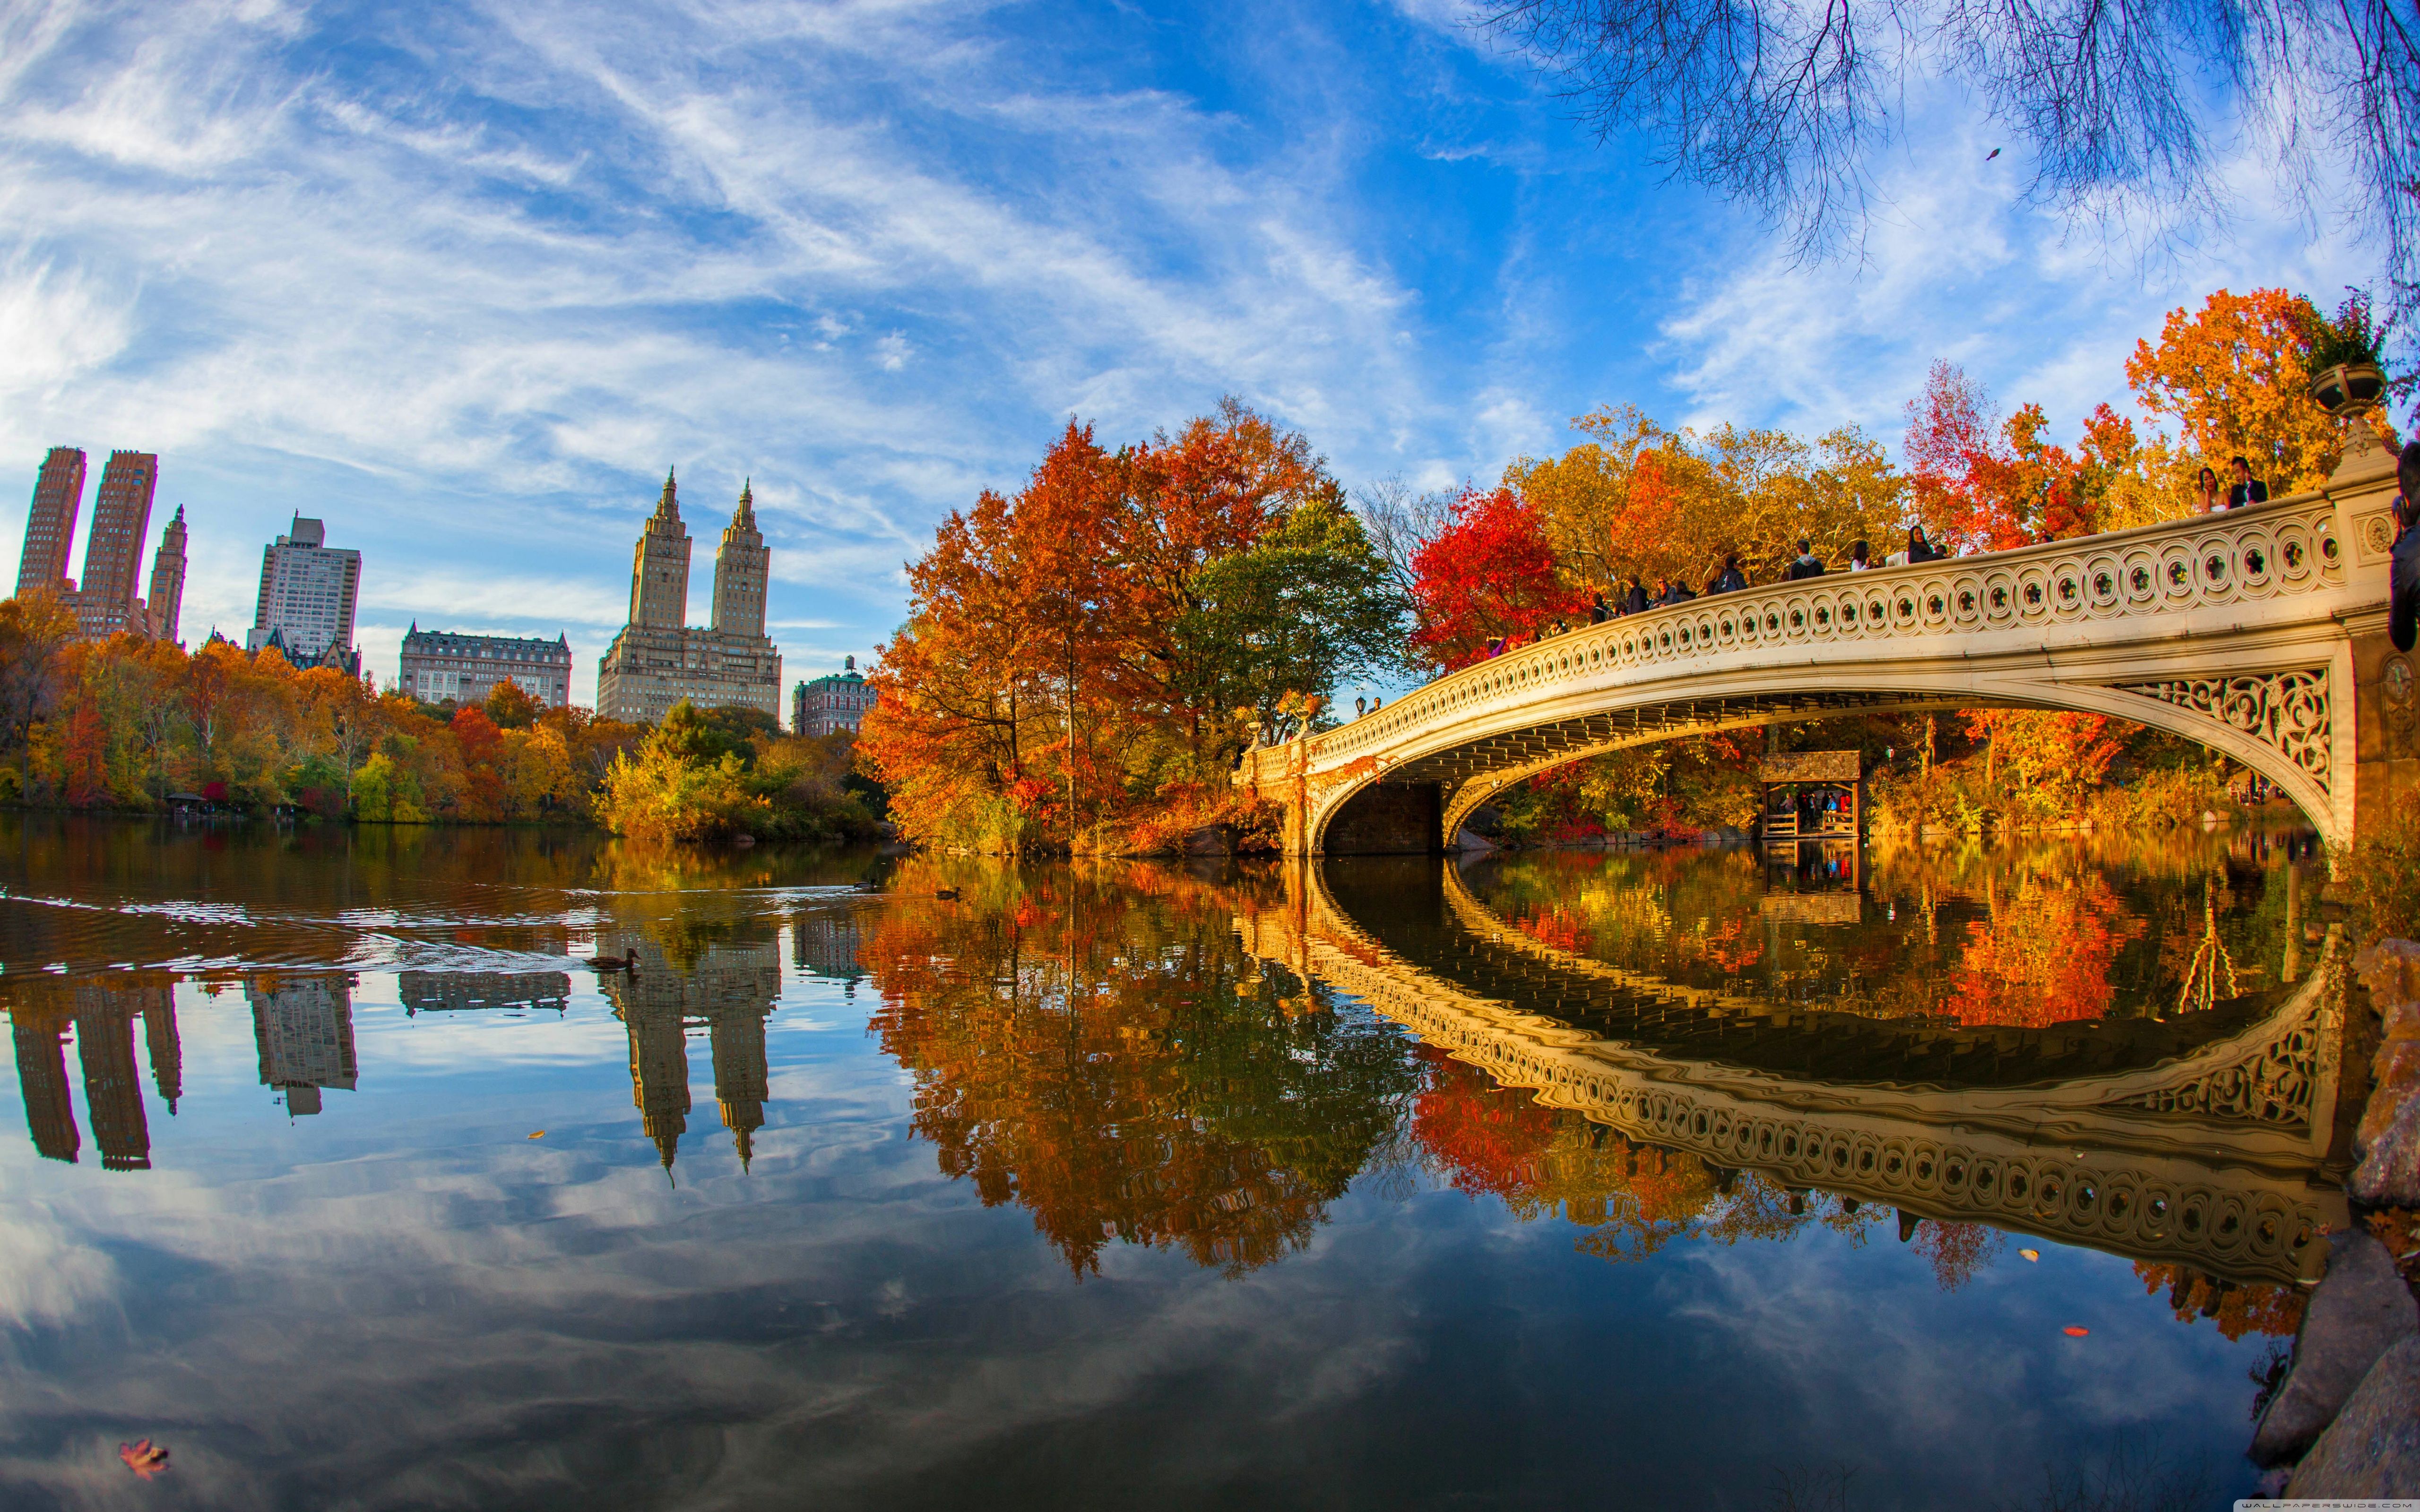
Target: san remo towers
{"x":657,"y":660}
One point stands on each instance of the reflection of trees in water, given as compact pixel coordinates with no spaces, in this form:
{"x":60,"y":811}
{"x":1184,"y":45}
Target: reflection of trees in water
{"x":2042,"y":953}
{"x":1098,"y":1048}
{"x":1634,"y":1199}
{"x":2035,"y":930}
{"x":2260,"y":1307}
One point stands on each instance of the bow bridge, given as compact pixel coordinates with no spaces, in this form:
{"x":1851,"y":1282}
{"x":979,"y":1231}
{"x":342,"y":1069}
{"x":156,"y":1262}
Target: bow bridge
{"x":2220,"y":1148}
{"x":2260,"y":633}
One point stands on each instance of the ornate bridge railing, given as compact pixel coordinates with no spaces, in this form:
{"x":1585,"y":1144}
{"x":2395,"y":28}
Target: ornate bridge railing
{"x":2236,"y":629}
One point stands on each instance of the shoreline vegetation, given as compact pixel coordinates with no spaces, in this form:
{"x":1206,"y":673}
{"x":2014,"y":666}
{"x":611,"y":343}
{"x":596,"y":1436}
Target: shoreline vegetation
{"x":1085,"y":661}
{"x":136,"y":726}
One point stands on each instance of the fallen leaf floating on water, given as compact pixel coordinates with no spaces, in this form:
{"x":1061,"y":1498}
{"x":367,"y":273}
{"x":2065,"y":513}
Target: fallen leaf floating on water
{"x":540,"y":1135}
{"x":2031,"y":1254}
{"x":2074,"y":1332}
{"x":144,"y":1457}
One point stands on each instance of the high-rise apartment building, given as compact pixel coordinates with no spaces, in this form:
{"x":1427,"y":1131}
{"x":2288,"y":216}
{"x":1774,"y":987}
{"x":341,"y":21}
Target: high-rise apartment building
{"x":106,"y":600}
{"x":657,"y":660}
{"x":167,"y":600}
{"x":308,"y":594}
{"x":438,"y":665}
{"x":832,"y":702}
{"x":659,"y":566}
{"x":50,"y":526}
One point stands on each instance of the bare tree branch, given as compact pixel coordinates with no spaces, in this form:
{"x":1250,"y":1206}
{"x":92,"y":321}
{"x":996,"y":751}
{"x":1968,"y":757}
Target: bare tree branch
{"x":2124,"y":106}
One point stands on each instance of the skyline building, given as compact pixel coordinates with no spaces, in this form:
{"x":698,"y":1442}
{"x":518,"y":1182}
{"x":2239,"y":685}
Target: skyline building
{"x":105,"y":601}
{"x":437,"y":665}
{"x":167,"y":600}
{"x":835,"y":702}
{"x":50,"y":525}
{"x":308,"y":594}
{"x":657,"y":659}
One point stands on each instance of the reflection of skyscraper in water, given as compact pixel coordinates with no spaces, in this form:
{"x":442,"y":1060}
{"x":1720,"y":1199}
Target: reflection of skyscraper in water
{"x":42,"y":1079}
{"x":427,"y":991}
{"x":825,"y":942}
{"x":113,"y":1090}
{"x":167,"y":1056}
{"x":102,"y":1010}
{"x":304,"y":1029}
{"x":731,"y":988}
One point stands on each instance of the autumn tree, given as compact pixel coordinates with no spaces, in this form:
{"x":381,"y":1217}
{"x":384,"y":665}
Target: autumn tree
{"x":34,"y":632}
{"x":2231,"y":376}
{"x":1490,"y":575}
{"x":1075,"y":652}
{"x":510,"y":706}
{"x":1639,"y":498}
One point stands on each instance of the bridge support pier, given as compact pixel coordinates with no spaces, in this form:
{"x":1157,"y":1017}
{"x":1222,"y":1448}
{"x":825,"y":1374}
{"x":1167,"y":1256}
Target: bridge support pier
{"x":2386,"y":701}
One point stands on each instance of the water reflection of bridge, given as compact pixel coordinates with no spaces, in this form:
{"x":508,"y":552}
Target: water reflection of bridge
{"x":2209,"y":1143}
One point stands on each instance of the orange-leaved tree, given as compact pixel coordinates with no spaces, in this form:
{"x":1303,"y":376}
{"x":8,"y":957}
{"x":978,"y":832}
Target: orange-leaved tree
{"x":1051,"y":685}
{"x":2231,"y":376}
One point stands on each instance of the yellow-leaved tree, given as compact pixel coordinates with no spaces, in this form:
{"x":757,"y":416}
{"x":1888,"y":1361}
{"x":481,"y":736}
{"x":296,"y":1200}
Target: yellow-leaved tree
{"x":2231,"y":376}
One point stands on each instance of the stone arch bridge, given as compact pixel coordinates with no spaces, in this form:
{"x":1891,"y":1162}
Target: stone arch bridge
{"x":2221,"y":1149}
{"x":2259,"y":633}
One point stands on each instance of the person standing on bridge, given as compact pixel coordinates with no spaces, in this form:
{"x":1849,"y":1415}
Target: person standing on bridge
{"x":2403,"y":574}
{"x":2211,"y":501}
{"x":1635,"y":601}
{"x":1858,"y":557}
{"x":1808,"y":564}
{"x":1675,"y":591}
{"x":1730,"y":579}
{"x":1598,"y":613}
{"x":2248,"y":489}
{"x":1918,"y":547}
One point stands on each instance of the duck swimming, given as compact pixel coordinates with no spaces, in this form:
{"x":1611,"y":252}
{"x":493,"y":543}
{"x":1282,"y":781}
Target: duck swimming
{"x":626,"y":960}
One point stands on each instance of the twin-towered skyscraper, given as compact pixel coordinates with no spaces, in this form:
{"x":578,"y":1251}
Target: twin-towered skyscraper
{"x":657,"y":659}
{"x":105,"y":601}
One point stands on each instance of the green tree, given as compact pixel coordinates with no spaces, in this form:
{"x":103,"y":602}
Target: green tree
{"x":1304,"y":609}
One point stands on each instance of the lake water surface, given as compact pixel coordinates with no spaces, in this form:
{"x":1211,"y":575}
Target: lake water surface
{"x":1641,"y":1181}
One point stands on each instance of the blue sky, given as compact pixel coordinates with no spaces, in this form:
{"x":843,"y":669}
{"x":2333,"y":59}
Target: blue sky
{"x":464,"y":280}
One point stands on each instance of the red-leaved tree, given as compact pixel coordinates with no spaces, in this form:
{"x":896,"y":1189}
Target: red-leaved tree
{"x":1489,"y":574}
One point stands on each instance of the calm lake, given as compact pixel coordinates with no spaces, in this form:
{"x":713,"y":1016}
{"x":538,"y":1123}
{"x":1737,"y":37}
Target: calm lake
{"x":1963,"y":1175}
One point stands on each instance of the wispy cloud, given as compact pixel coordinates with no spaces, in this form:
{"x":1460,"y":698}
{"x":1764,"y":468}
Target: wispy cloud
{"x":465,"y":279}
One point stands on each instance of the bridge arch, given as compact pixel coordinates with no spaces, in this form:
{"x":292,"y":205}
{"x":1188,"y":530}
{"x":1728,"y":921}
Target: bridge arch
{"x":2259,"y":633}
{"x":2170,"y":1160}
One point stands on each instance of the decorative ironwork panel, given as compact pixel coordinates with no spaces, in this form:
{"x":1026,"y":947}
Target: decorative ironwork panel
{"x":2285,"y":711}
{"x":2272,"y":1085}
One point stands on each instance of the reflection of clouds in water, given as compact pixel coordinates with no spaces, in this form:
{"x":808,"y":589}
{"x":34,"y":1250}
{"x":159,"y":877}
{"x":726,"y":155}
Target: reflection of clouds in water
{"x":1858,"y":1332}
{"x":46,"y":1274}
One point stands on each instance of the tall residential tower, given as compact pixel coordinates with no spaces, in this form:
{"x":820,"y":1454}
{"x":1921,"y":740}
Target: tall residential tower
{"x":308,"y":594}
{"x":105,"y":603}
{"x":50,"y":529}
{"x":657,"y":660}
{"x":167,"y":596}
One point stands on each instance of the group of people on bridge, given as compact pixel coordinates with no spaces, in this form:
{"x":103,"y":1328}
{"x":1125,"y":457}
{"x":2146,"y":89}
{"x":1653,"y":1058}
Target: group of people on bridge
{"x":1633,"y":597}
